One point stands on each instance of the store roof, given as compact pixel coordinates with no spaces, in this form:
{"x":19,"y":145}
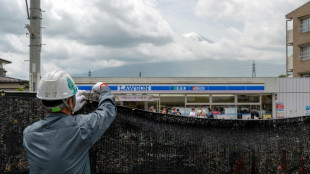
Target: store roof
{"x":12,"y":80}
{"x":174,"y":80}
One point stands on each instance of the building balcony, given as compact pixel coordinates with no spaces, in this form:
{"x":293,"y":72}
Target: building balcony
{"x":289,"y":37}
{"x":290,"y":63}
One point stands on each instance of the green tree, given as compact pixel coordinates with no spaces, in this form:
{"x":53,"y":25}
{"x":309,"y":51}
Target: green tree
{"x":20,"y":89}
{"x":282,"y":75}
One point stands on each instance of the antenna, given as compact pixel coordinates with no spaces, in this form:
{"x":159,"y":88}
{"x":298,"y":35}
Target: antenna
{"x":27,"y":9}
{"x":253,"y":69}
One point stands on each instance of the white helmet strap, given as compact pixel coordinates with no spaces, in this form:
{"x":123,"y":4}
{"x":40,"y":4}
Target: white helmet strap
{"x":66,"y":103}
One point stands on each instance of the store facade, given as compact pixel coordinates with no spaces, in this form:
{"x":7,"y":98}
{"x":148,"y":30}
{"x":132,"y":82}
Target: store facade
{"x":233,"y":98}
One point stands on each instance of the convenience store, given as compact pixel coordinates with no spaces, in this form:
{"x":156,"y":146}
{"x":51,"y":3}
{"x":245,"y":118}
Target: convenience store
{"x":233,"y":97}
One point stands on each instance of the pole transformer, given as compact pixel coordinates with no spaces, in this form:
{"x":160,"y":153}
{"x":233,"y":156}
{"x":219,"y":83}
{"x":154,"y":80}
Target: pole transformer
{"x":35,"y":44}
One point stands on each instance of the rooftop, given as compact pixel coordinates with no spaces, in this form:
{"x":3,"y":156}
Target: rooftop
{"x":2,"y":61}
{"x":11,"y":80}
{"x":304,"y":7}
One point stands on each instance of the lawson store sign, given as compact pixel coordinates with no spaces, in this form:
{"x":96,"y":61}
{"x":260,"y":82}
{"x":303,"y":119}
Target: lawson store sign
{"x":188,"y":88}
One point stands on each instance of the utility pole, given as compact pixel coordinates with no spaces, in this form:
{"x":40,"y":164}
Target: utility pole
{"x":35,"y":44}
{"x":253,"y":69}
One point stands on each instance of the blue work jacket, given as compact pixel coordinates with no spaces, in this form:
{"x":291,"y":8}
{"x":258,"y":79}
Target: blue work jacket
{"x":59,"y":143}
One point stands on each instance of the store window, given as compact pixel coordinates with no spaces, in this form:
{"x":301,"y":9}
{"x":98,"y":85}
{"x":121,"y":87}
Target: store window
{"x":169,"y":101}
{"x":198,"y":98}
{"x":219,"y":109}
{"x":154,"y":103}
{"x":224,"y":111}
{"x":139,"y":101}
{"x":266,"y":106}
{"x":189,"y":108}
{"x":305,"y":24}
{"x":248,"y":98}
{"x":244,"y":111}
{"x":223,"y":98}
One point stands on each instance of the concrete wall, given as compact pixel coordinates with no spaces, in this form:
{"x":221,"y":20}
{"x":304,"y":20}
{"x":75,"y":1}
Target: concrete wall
{"x":294,"y":94}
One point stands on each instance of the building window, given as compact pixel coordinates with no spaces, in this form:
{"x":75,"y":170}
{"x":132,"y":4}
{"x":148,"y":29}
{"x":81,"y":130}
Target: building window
{"x":169,"y":101}
{"x":266,"y":106}
{"x":305,"y":75}
{"x":305,"y":52}
{"x":248,"y":98}
{"x":305,"y":25}
{"x":223,"y":98}
{"x":198,"y":98}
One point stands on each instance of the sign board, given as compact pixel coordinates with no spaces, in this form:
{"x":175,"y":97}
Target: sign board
{"x":280,"y":110}
{"x":246,"y":116}
{"x":135,"y":88}
{"x":223,"y":117}
{"x":230,"y":110}
{"x":135,"y":98}
{"x":179,"y":88}
{"x":307,"y":110}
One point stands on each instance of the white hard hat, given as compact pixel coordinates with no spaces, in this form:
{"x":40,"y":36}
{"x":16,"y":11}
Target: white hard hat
{"x":56,"y":85}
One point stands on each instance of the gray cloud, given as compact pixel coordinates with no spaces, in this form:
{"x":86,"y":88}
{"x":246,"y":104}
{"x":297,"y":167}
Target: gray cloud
{"x":124,"y":37}
{"x":109,"y":23}
{"x":12,"y":17}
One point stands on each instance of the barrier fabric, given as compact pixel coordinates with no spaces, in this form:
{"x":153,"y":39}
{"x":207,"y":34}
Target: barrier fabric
{"x":145,"y":142}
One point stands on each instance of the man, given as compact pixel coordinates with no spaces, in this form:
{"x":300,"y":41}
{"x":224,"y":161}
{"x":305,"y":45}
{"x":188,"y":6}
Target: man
{"x":178,"y":112}
{"x":254,"y":113}
{"x":152,"y":109}
{"x":210,"y":114}
{"x":174,"y":111}
{"x":193,"y":113}
{"x":60,"y":142}
{"x":201,"y":112}
{"x":164,"y":111}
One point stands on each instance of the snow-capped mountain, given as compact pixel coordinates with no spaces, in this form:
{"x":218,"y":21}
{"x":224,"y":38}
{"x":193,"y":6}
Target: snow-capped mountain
{"x":197,"y":37}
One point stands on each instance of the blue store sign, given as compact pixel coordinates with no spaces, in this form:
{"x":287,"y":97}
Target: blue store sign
{"x":180,"y":88}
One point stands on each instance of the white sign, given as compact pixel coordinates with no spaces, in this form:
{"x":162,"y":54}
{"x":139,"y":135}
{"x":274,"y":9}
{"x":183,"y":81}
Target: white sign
{"x":230,"y":110}
{"x":135,"y":98}
{"x":246,"y":116}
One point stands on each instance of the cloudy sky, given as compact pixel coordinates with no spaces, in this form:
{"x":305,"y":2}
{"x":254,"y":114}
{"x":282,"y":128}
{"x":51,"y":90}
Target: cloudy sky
{"x":123,"y":38}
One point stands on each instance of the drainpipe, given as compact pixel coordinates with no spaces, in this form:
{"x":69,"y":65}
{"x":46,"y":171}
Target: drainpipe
{"x":286,"y":46}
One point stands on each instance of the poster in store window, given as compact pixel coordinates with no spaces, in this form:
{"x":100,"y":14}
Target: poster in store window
{"x":134,"y":98}
{"x":280,"y":110}
{"x":307,"y":110}
{"x":231,"y":112}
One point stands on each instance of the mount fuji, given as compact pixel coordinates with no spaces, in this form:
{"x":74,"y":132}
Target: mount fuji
{"x":197,"y":37}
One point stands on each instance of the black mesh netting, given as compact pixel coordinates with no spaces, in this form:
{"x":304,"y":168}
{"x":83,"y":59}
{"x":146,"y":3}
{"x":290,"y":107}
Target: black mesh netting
{"x":144,"y":142}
